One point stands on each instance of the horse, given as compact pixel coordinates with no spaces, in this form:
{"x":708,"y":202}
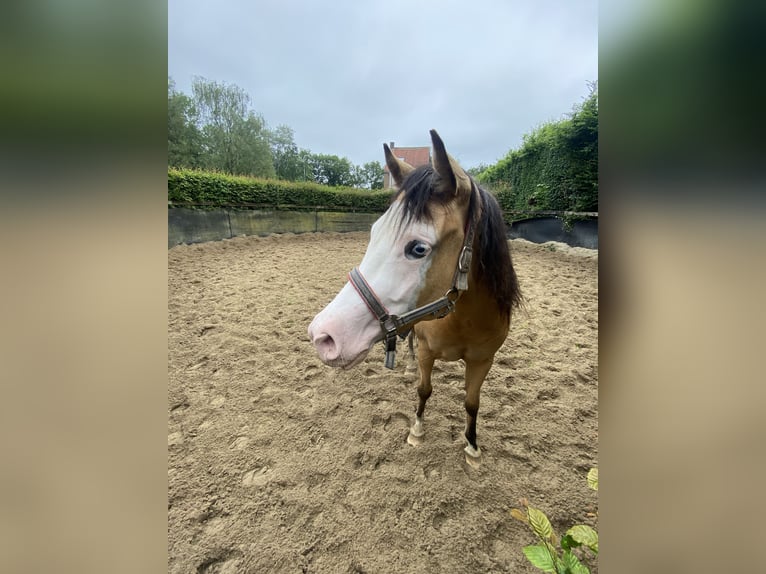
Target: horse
{"x":437,"y":263}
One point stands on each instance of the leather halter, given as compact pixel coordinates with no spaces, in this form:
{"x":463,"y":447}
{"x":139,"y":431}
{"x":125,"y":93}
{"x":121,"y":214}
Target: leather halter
{"x":400,"y":325}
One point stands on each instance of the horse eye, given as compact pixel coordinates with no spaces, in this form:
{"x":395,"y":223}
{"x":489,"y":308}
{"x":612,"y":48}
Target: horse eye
{"x":416,"y":250}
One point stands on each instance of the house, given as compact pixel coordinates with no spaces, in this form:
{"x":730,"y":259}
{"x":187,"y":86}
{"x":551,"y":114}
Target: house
{"x":415,"y":156}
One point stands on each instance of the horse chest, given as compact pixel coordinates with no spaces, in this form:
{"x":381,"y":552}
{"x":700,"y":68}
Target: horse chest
{"x":462,"y":336}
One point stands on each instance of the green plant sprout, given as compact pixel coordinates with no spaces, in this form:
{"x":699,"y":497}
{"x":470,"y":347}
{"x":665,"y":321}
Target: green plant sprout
{"x":553,"y":553}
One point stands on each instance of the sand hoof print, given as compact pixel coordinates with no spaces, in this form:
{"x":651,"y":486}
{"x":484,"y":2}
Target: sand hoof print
{"x":396,"y":418}
{"x":256,"y":477}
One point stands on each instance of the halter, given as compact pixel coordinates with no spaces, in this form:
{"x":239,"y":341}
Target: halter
{"x":400,"y":325}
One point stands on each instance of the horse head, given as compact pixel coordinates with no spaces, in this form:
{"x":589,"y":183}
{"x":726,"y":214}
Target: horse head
{"x":411,"y":258}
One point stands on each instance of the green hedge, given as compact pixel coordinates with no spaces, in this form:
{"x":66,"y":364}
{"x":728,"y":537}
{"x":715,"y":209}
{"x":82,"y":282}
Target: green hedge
{"x":556,"y":168}
{"x":537,"y":180}
{"x":207,"y":189}
{"x":542,"y":179}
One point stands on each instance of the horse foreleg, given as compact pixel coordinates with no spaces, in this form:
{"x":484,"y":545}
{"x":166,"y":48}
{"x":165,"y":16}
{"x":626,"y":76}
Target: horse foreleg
{"x":426,"y":364}
{"x":475,"y":373}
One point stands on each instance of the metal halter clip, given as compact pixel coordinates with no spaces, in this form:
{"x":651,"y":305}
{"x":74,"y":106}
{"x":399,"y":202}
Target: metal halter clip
{"x":389,"y":326}
{"x":390,"y":350}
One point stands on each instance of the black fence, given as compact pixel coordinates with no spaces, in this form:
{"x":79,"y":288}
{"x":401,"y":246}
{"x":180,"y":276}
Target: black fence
{"x":190,"y":225}
{"x":581,"y":232}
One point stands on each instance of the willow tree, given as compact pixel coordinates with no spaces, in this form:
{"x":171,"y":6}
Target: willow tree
{"x":235,"y":136}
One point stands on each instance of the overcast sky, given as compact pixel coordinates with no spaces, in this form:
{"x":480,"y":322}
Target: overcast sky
{"x":348,"y":75}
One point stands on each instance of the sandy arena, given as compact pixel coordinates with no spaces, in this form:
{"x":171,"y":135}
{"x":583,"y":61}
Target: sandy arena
{"x":278,"y":463}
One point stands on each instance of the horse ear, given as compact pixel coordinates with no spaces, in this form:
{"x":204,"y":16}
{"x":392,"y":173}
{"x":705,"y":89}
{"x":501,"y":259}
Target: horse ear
{"x":448,"y":169}
{"x":399,"y":169}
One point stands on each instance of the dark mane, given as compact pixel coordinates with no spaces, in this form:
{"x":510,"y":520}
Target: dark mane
{"x":492,"y":259}
{"x":494,"y":266}
{"x":418,"y":188}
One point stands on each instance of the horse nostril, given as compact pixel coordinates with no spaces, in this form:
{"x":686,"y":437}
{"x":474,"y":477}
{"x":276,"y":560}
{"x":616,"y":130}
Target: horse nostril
{"x":326,"y":346}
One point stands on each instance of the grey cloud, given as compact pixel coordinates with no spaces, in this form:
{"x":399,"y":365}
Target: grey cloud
{"x":348,"y":75}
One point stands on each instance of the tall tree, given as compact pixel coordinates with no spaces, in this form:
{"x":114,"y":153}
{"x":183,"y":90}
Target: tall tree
{"x":371,"y":175}
{"x":236,"y":138}
{"x":217,"y":129}
{"x":287,"y":161}
{"x":307,"y":166}
{"x":184,"y":138}
{"x":333,"y":170}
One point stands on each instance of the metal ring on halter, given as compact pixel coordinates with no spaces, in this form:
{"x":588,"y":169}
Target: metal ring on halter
{"x":453,"y":295}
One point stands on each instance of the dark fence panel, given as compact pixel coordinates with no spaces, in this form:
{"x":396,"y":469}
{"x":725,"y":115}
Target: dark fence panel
{"x":584,"y":232}
{"x":187,"y":225}
{"x":196,"y":225}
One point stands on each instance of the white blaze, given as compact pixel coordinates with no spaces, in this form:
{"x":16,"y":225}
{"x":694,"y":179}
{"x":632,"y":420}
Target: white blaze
{"x":344,"y":331}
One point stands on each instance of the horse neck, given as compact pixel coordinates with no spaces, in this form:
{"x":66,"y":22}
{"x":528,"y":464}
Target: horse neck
{"x":478,"y":299}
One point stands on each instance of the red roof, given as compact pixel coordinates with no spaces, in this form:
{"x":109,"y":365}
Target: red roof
{"x":415,"y":156}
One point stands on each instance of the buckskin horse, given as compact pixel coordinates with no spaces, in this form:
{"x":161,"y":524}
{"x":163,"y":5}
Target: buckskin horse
{"x":438,"y":262}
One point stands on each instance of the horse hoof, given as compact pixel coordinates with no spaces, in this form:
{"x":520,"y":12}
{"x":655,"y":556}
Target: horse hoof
{"x":473,"y":456}
{"x":415,"y":437}
{"x":414,"y":440}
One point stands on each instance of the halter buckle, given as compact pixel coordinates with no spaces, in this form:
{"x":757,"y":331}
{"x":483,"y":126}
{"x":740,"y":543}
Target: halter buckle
{"x":464,"y":261}
{"x":388,"y":324}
